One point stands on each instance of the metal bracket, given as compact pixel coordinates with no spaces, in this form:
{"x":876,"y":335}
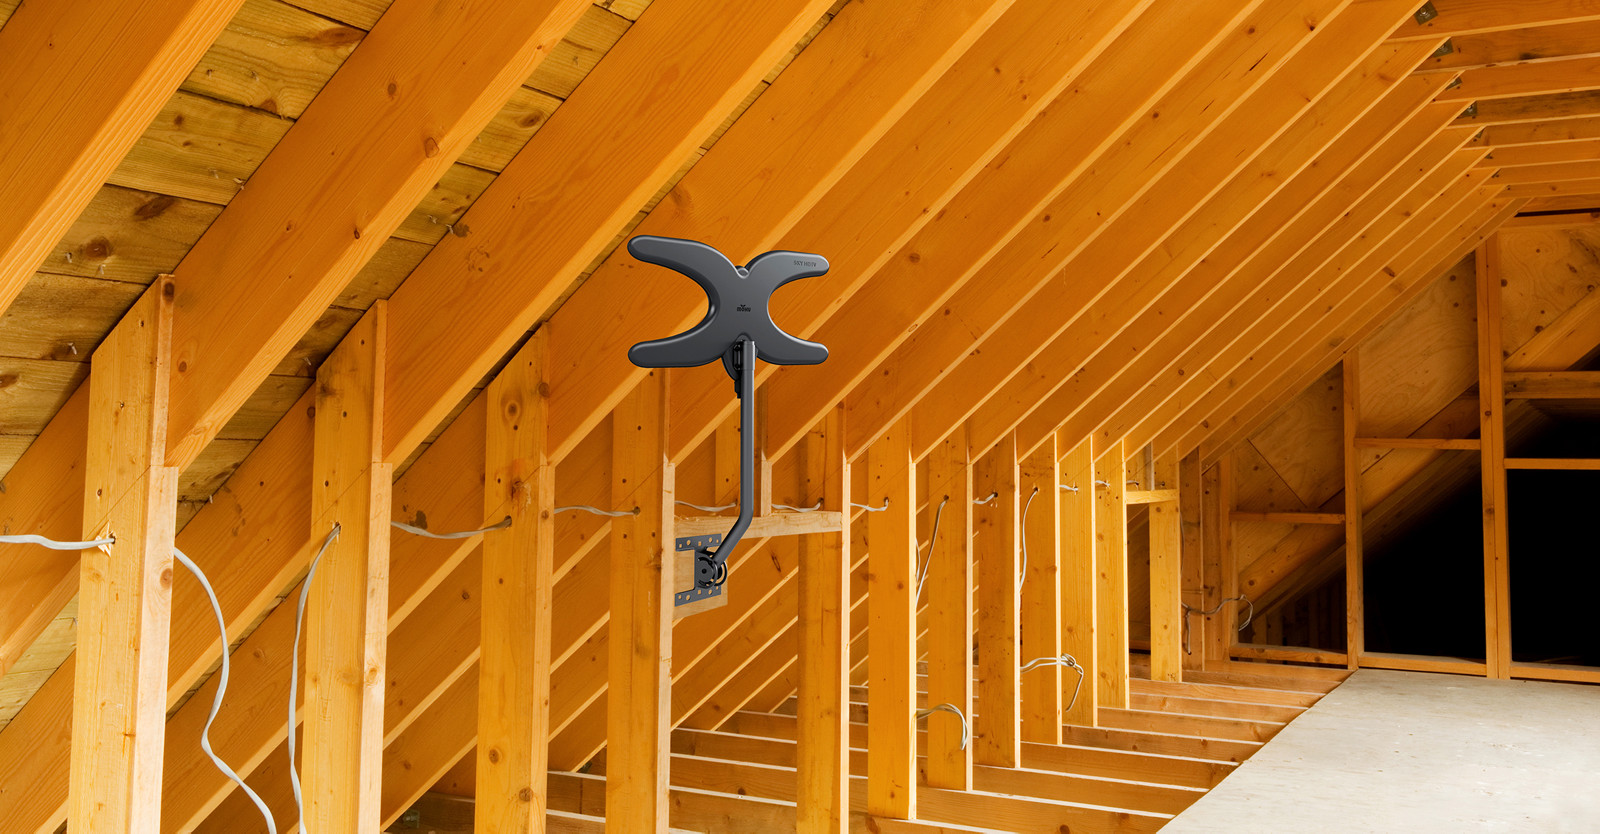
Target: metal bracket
{"x":1446,"y":48}
{"x":1426,"y":13}
{"x":709,"y":564}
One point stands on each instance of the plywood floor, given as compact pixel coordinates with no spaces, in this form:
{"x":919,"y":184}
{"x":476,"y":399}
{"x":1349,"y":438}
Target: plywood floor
{"x":1402,"y":751}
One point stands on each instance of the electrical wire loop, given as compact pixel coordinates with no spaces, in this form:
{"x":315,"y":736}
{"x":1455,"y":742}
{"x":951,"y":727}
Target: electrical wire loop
{"x":966,"y":731}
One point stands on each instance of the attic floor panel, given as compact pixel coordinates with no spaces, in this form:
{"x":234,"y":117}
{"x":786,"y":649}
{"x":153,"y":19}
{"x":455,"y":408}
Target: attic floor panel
{"x":1405,"y":751}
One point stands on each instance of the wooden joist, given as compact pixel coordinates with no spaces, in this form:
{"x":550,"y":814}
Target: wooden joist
{"x":1551,"y":385}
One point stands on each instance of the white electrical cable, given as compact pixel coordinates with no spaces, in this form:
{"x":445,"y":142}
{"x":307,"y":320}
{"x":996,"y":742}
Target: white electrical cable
{"x":811,"y":509}
{"x":990,"y":499}
{"x":465,"y":534}
{"x":922,"y":569}
{"x":294,"y":673}
{"x":595,"y":510}
{"x":872,"y":509}
{"x":1066,"y":660}
{"x":1069,"y":487}
{"x":222,"y":691}
{"x":703,"y":508}
{"x":966,"y":732}
{"x":29,"y":538}
{"x":1023,"y":577}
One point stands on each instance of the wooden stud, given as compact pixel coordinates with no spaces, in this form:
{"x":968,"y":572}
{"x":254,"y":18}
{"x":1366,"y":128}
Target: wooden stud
{"x":1111,"y":557}
{"x":347,"y":607}
{"x":638,"y":714}
{"x":1166,"y":578}
{"x":946,"y":590}
{"x":997,"y":734}
{"x":823,"y":717}
{"x":518,"y":583}
{"x":125,"y":589}
{"x":1039,"y":481}
{"x":1221,"y":574}
{"x":1354,"y":557}
{"x":1079,"y":597}
{"x":892,"y":633}
{"x":1192,"y":513}
{"x":1491,"y":430}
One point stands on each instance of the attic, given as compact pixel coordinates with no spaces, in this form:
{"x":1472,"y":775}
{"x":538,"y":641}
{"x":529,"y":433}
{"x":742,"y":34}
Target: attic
{"x":1205,"y":380}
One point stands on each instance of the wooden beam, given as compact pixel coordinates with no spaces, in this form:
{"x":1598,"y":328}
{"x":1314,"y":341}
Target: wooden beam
{"x":82,"y":82}
{"x":327,"y":196}
{"x":1436,"y":443}
{"x":640,"y":667}
{"x":1039,"y":479}
{"x":822,"y":733}
{"x":948,"y":595}
{"x":1355,"y":593}
{"x":1533,"y":109}
{"x":1552,"y":385}
{"x":767,"y":526}
{"x":1079,"y":578}
{"x":1556,"y":152}
{"x":997,"y":737}
{"x":1192,"y":512}
{"x":1111,"y":557}
{"x":1492,"y":430}
{"x":125,"y":590}
{"x":1515,"y":80}
{"x":1554,"y":173}
{"x":518,"y":587}
{"x":1464,"y":17}
{"x":892,"y":633}
{"x":347,"y":606}
{"x":1221,"y":571}
{"x":1166,"y":578}
{"x":1529,"y":45}
{"x":1522,"y":134}
{"x":1569,"y":464}
{"x":1151,"y":496}
{"x":1287,"y":518}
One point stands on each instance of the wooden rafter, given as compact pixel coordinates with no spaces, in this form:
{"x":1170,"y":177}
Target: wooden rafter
{"x":81,"y":82}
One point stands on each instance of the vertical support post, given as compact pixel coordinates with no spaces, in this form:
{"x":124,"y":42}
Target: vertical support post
{"x":1354,"y":559}
{"x":1041,"y":594}
{"x":1492,"y":433}
{"x":518,"y":563}
{"x":948,"y":595}
{"x":347,"y":608}
{"x":1220,"y":574}
{"x":1192,"y":559}
{"x":639,"y":714}
{"x":1111,"y":539}
{"x":892,"y":626}
{"x":823,"y":713}
{"x":997,"y":738}
{"x":119,"y":698}
{"x":1079,"y":606}
{"x":1166,"y":576}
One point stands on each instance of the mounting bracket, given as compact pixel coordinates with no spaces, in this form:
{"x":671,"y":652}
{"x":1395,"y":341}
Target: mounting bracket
{"x":737,"y":329}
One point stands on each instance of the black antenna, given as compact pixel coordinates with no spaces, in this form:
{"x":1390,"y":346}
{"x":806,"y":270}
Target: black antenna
{"x":738,"y":329}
